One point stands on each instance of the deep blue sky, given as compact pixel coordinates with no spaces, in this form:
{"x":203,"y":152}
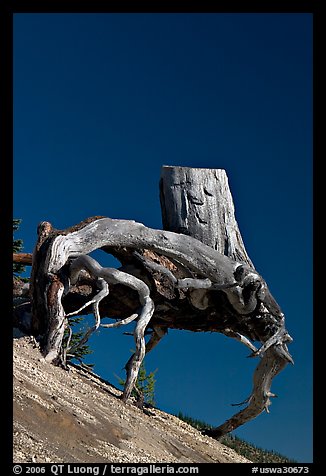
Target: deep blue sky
{"x":102,"y":101}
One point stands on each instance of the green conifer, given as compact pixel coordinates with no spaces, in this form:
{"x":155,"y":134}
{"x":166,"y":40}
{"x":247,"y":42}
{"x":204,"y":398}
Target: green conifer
{"x":17,"y":246}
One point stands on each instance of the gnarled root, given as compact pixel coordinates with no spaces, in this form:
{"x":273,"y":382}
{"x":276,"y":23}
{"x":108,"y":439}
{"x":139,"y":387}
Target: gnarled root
{"x":278,"y":338}
{"x":133,"y":364}
{"x":113,"y":276}
{"x":270,"y":365}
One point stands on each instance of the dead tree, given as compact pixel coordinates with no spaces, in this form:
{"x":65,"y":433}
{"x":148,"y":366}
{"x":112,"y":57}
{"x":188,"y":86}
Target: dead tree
{"x":194,"y":275}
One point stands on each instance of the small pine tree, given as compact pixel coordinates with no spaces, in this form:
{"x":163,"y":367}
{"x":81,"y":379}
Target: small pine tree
{"x":145,"y":385}
{"x":17,"y":246}
{"x":81,"y":352}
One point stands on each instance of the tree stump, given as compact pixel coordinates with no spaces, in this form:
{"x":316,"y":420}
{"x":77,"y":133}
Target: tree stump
{"x":194,"y":275}
{"x":198,"y":202}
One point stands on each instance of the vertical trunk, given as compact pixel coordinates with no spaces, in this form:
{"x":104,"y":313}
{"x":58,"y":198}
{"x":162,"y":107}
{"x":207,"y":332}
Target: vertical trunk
{"x":198,"y":202}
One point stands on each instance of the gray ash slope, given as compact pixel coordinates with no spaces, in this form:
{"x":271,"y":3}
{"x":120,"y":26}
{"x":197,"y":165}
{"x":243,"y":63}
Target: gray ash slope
{"x":72,"y":416}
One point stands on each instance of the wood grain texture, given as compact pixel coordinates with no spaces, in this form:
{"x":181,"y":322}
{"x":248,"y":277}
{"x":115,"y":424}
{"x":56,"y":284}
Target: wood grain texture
{"x":198,"y":202}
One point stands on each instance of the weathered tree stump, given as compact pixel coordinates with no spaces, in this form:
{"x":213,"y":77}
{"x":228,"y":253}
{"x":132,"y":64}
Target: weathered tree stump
{"x":194,"y":275}
{"x":198,"y":203}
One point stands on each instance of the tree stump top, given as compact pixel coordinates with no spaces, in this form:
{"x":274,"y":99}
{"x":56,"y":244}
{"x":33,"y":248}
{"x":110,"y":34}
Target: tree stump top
{"x":198,"y":202}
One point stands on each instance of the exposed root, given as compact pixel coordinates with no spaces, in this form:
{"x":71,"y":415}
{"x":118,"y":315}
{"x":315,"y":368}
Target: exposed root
{"x":136,"y":360}
{"x":157,"y":334}
{"x":249,"y":300}
{"x":122,"y":322}
{"x":278,"y":338}
{"x":269,"y":366}
{"x":114,"y":276}
{"x":236,"y":335}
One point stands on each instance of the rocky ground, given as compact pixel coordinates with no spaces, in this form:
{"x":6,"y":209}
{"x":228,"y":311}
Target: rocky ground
{"x":74,"y":416}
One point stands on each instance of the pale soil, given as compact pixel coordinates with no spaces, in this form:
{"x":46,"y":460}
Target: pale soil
{"x":71,"y":416}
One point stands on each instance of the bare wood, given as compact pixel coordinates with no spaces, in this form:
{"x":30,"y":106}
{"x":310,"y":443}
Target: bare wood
{"x":56,"y":319}
{"x":39,"y":305}
{"x":23,"y":258}
{"x":201,"y":259}
{"x":270,"y":365}
{"x":114,"y":276}
{"x":198,"y":202}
